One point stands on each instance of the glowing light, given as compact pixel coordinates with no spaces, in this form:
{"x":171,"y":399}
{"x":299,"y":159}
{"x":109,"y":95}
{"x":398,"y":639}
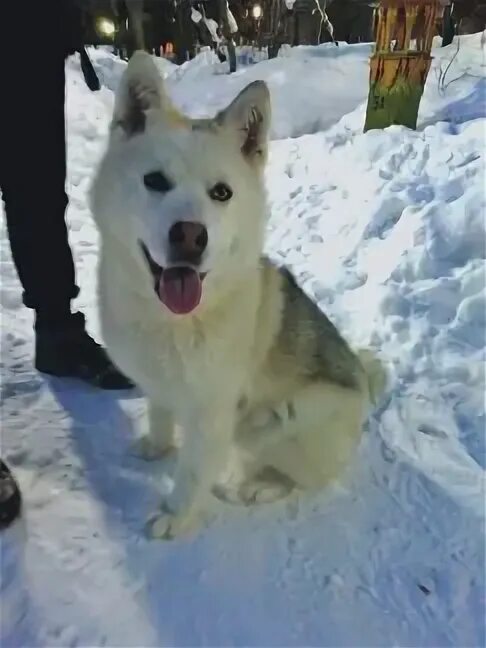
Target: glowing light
{"x":256,"y":11}
{"x":106,"y":27}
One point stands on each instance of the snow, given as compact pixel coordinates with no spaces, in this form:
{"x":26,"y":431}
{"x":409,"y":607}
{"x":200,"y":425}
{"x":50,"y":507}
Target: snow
{"x":386,"y":231}
{"x":213,"y":27}
{"x":196,"y":16}
{"x":233,"y":27}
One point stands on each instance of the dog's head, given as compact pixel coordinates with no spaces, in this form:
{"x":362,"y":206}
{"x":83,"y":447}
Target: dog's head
{"x":184,"y":198}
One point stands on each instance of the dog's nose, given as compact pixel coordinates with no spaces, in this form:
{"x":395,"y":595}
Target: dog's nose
{"x":187,"y":241}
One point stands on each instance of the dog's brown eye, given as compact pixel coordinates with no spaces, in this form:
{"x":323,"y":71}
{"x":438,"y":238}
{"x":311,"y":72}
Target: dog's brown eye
{"x":220,"y":192}
{"x":156,"y":181}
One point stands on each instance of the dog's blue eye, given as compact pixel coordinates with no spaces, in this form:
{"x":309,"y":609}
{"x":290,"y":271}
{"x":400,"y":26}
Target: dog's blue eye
{"x":220,"y":192}
{"x":156,"y":181}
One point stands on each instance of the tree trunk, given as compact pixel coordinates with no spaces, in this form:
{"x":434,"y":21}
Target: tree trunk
{"x":231,"y":54}
{"x":135,"y":25}
{"x":228,"y":37}
{"x":121,"y":35}
{"x":276,"y":27}
{"x":448,"y":26}
{"x":183,"y":31}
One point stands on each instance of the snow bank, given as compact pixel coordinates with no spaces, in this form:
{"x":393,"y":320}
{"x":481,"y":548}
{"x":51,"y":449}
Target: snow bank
{"x":311,"y":89}
{"x":314,"y":87}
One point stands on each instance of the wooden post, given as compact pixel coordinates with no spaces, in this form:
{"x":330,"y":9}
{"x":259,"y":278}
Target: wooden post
{"x":398,"y":71}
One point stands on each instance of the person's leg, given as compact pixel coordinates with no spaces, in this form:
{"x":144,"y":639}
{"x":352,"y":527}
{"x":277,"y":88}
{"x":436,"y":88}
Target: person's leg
{"x":32,"y":180}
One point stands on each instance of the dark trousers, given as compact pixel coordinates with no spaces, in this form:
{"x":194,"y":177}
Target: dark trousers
{"x":33,"y":157}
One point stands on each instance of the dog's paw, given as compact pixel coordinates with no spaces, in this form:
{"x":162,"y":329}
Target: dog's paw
{"x":263,"y":492}
{"x":227,"y":494}
{"x":146,"y":447}
{"x":259,"y":490}
{"x":166,"y":525}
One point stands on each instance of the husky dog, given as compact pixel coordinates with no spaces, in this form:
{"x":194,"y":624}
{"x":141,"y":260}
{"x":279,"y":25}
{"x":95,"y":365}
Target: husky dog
{"x":228,"y":349}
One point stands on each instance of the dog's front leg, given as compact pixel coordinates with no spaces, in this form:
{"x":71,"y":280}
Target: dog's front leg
{"x":201,"y":459}
{"x":159,"y":439}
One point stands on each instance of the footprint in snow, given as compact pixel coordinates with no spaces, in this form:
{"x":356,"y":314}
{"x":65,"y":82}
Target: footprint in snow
{"x":385,"y":218}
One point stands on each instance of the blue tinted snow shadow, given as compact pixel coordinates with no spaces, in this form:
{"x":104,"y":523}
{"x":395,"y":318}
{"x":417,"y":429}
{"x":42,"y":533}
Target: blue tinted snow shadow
{"x":471,"y":107}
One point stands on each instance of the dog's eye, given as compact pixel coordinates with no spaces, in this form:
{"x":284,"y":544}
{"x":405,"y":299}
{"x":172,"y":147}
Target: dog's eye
{"x":156,"y":181}
{"x":220,"y":192}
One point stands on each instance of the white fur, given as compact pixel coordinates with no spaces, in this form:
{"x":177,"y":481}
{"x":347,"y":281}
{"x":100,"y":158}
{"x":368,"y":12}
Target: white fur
{"x":195,"y":368}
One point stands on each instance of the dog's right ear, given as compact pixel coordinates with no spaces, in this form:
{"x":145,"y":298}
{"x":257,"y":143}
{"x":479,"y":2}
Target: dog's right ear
{"x":248,"y":116}
{"x":141,"y":91}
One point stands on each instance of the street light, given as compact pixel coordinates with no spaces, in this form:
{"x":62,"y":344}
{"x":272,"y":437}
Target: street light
{"x":256,"y":11}
{"x":106,"y":27}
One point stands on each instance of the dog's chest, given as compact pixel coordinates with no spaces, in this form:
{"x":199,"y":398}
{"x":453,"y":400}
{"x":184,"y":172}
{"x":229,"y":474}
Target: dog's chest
{"x":188,"y":359}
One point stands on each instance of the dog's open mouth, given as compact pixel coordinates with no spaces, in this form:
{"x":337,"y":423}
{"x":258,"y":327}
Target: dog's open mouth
{"x":178,"y":287}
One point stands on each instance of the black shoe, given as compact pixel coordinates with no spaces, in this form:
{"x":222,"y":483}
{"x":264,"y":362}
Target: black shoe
{"x":10,"y":498}
{"x":69,"y":352}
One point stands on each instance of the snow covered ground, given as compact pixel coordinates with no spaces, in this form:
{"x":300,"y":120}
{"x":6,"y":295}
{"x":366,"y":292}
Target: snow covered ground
{"x":386,"y":231}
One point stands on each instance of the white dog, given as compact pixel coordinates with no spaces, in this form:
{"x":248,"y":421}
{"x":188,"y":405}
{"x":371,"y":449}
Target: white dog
{"x":225,"y":345}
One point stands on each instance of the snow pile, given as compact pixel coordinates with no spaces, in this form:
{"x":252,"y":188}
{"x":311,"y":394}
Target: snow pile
{"x":314,"y":87}
{"x":326,"y":82}
{"x":386,"y":231}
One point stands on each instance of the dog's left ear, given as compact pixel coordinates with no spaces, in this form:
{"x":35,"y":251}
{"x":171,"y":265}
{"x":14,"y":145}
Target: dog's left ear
{"x":141,"y":92}
{"x":249,"y":116}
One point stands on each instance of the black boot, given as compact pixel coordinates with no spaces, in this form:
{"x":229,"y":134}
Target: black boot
{"x":10,"y":498}
{"x":68,"y":351}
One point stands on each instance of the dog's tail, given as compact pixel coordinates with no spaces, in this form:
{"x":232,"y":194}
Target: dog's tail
{"x":376,"y":374}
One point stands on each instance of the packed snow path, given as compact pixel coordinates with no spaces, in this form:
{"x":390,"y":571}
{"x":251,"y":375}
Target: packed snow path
{"x":386,"y":232}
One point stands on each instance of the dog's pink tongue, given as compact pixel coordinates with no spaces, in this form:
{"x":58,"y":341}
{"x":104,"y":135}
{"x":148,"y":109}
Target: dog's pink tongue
{"x":180,"y":290}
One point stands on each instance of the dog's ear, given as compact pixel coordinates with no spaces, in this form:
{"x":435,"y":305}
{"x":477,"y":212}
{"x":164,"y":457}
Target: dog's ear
{"x":141,"y":90}
{"x":249,"y":117}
